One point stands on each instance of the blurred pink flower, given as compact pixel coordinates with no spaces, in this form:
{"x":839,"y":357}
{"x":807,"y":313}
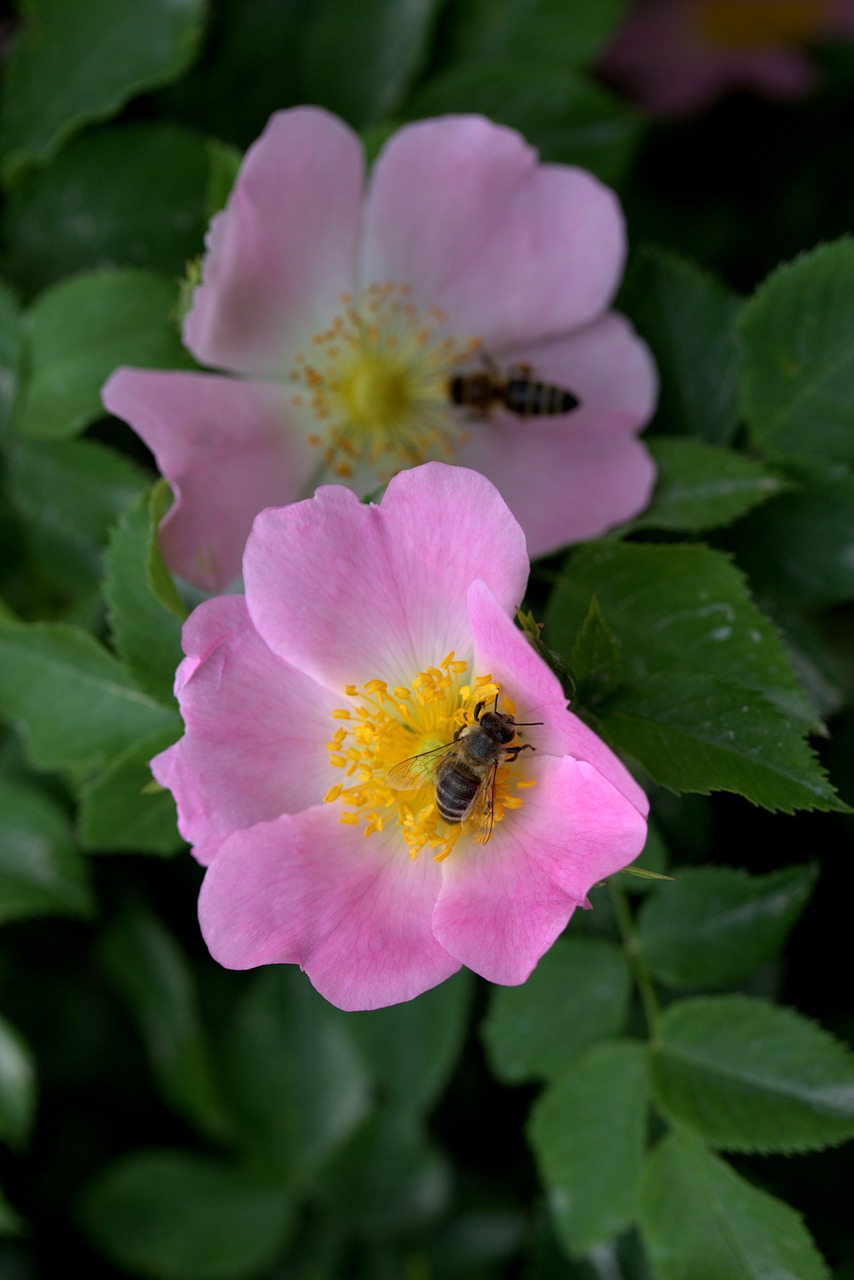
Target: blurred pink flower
{"x":367,"y":635}
{"x":676,"y":56}
{"x":341,"y":314}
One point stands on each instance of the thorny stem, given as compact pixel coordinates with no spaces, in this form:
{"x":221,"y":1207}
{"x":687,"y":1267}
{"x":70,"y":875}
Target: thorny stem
{"x":643,"y":981}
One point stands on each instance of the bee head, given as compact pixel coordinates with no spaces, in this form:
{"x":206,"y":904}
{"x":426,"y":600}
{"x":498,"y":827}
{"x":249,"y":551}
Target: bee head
{"x":499,"y":726}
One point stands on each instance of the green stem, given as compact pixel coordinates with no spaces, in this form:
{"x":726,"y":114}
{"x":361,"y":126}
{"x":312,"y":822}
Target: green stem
{"x":643,"y":981}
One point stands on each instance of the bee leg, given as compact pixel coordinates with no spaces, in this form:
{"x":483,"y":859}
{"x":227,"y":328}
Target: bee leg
{"x":512,"y":752}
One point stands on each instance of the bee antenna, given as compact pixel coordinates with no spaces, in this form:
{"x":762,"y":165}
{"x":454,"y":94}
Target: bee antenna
{"x":528,"y":724}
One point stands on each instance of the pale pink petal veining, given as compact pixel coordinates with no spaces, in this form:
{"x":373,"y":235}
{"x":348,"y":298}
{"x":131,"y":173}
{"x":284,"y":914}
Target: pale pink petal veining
{"x":350,"y":592}
{"x":572,"y":477}
{"x":226,"y":448}
{"x":354,"y":913}
{"x":284,"y":249}
{"x":255,"y":735}
{"x":510,"y":249}
{"x":499,"y":912}
{"x":503,"y":904}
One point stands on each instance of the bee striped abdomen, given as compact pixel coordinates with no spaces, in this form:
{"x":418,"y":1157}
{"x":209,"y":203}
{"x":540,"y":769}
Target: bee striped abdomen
{"x":532,"y":399}
{"x":456,"y":788}
{"x":474,"y":391}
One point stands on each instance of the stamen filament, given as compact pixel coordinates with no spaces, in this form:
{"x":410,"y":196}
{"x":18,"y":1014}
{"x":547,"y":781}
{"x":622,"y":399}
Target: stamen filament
{"x":383,"y":727}
{"x":377,"y":382}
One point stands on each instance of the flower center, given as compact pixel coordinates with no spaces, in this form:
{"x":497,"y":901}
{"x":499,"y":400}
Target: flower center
{"x":381,"y":727}
{"x":749,"y":24}
{"x":376,"y":382}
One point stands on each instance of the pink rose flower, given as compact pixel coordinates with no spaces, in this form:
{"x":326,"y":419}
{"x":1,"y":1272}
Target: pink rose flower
{"x":340,"y":315}
{"x":368,"y":635}
{"x":676,"y":56}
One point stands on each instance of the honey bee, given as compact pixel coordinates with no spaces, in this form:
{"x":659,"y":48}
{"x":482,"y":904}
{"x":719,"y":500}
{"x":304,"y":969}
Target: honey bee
{"x":519,"y":392}
{"x":464,"y":770}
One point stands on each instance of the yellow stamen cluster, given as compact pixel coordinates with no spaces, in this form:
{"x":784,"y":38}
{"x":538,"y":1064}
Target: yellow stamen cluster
{"x":382,"y":726}
{"x":376,"y":382}
{"x":749,"y":24}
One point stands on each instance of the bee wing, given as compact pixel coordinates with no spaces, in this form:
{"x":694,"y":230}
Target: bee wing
{"x":417,"y":770}
{"x":480,"y":819}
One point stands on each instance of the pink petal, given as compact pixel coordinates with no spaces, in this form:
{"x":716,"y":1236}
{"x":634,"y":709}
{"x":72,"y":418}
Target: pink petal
{"x":510,"y":249}
{"x":307,"y":890}
{"x":255,"y":731}
{"x":663,"y":56}
{"x":349,"y":592}
{"x":283,"y":249}
{"x":571,"y":477}
{"x":502,"y":650}
{"x":498,"y":912}
{"x":226,"y":450}
{"x":502,"y":905}
{"x":577,"y":826}
{"x":777,"y":72}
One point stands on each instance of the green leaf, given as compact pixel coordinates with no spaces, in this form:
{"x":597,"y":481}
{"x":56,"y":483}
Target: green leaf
{"x":751,"y":1076}
{"x":75,"y":701}
{"x":798,"y":382}
{"x":147,"y":636}
{"x":568,"y":118}
{"x":387,"y":1182}
{"x":175,"y":1216}
{"x":703,"y":734}
{"x":702,"y":486}
{"x":17,"y":1087}
{"x":689,"y":320}
{"x":119,"y":810}
{"x":160,"y":580}
{"x":654,"y":861}
{"x":578,"y":994}
{"x":294,"y":1079}
{"x":71,"y":64}
{"x":817,"y":666}
{"x":80,"y":331}
{"x":224,"y":164}
{"x":595,"y":658}
{"x":360,"y":60}
{"x":541,"y":33}
{"x":411,"y":1049}
{"x":799,"y":546}
{"x":700,"y":1219}
{"x":145,"y":964}
{"x":41,"y":871}
{"x":72,"y":490}
{"x":676,"y":609}
{"x":93,"y":205}
{"x":11,"y":1223}
{"x":717,"y":925}
{"x":588,"y":1131}
{"x":10,"y":356}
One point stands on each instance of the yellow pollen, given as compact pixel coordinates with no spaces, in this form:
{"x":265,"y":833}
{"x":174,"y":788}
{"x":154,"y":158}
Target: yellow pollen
{"x":382,"y":726}
{"x":378,"y":377}
{"x":750,"y":24}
